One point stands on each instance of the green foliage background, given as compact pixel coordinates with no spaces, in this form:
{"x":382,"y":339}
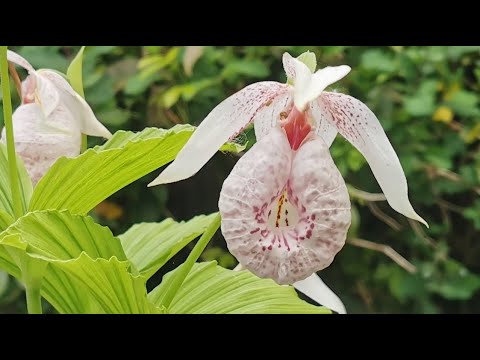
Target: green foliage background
{"x":427,"y":99}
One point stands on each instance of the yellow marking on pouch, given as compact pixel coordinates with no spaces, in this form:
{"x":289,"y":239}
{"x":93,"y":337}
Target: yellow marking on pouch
{"x":279,"y":209}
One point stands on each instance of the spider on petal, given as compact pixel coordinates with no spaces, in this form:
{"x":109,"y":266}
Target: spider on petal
{"x":285,"y":207}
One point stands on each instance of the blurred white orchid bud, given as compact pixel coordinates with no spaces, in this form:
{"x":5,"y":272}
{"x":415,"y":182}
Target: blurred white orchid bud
{"x":50,"y":120}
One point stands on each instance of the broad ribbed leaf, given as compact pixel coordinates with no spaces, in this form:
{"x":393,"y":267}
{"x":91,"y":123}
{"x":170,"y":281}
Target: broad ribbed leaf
{"x":115,"y":288}
{"x":150,"y":245}
{"x":74,"y":247}
{"x":6,"y":202}
{"x":81,"y":183}
{"x":63,"y":236}
{"x":211,"y":289}
{"x":5,"y":220}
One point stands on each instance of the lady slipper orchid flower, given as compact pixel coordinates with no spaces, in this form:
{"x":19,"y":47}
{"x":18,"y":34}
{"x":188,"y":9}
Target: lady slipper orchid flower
{"x":285,"y":207}
{"x":50,"y":120}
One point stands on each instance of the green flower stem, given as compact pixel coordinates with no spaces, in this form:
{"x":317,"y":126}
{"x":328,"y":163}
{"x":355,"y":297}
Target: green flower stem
{"x":34,"y":300}
{"x":84,"y":146}
{"x":7,"y":115}
{"x":185,"y":268}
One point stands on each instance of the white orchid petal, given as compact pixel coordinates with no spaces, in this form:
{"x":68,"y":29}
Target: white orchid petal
{"x":85,"y":119}
{"x":317,"y":290}
{"x":19,"y":60}
{"x":289,"y":66}
{"x":39,"y":145}
{"x":323,"y":124}
{"x":308,"y":58}
{"x":359,"y":125}
{"x":285,"y":214}
{"x":46,"y":94}
{"x":224,"y":122}
{"x":271,"y":115}
{"x":309,"y":86}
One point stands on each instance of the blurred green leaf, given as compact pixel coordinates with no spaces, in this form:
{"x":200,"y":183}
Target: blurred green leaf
{"x":454,"y":52}
{"x":473,"y":214}
{"x":115,"y":117}
{"x":74,"y":73}
{"x":464,"y":103}
{"x":457,"y":284}
{"x":138,"y":83}
{"x":4,"y":281}
{"x":45,"y":57}
{"x":185,"y":91}
{"x":422,"y":103}
{"x":151,"y":64}
{"x":249,"y":68}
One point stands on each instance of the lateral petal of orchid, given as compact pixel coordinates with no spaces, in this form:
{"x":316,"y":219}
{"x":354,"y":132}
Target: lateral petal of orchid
{"x":224,"y":122}
{"x":272,"y":114}
{"x":84,"y":116}
{"x":317,"y":290}
{"x":19,"y":60}
{"x":308,"y":87}
{"x":359,"y":125}
{"x":323,"y":125}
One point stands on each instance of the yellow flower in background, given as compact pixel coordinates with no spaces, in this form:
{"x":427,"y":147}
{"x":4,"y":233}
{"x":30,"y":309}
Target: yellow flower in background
{"x":443,"y":114}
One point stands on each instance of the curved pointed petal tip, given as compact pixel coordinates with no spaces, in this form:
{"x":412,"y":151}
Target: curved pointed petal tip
{"x":224,"y":122}
{"x":359,"y":125}
{"x":413,"y":215}
{"x":309,"y":87}
{"x":289,"y":66}
{"x":86,"y":119}
{"x":317,"y":290}
{"x":19,"y":60}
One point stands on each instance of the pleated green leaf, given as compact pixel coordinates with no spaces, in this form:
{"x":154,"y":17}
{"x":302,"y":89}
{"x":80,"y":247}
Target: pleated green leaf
{"x":63,"y":236}
{"x":211,"y":289}
{"x":150,"y":245}
{"x":87,"y":272}
{"x":81,"y":183}
{"x":5,"y":220}
{"x":111,"y":282}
